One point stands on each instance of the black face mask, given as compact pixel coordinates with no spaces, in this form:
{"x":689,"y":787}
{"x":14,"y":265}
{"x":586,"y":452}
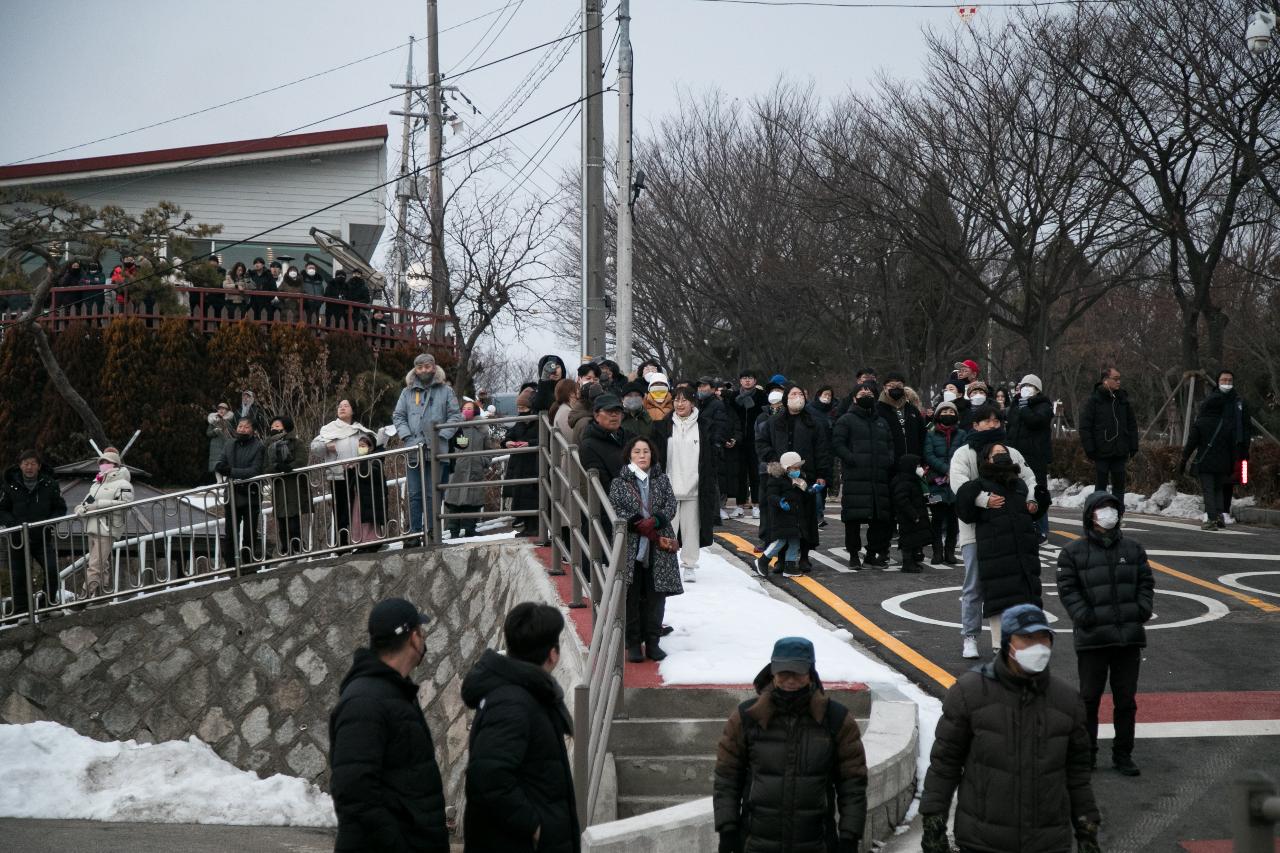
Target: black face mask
{"x":897,"y":393}
{"x":1002,"y":459}
{"x":865,"y":402}
{"x":947,"y":420}
{"x":242,"y":438}
{"x":794,"y":701}
{"x":277,"y":432}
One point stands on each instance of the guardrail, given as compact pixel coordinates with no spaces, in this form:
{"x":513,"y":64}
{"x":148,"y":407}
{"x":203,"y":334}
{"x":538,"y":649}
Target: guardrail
{"x":1255,"y":811}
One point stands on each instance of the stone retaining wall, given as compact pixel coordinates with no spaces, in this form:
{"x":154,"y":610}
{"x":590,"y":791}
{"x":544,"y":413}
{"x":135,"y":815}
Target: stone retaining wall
{"x":252,"y":666}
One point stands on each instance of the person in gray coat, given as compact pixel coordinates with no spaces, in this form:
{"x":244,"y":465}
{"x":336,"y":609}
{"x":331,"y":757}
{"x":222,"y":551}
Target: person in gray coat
{"x":468,"y":471}
{"x":425,"y":400}
{"x":220,"y":430}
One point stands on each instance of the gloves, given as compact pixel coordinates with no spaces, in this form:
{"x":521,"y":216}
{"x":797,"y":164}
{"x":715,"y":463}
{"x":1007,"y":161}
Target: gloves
{"x":223,"y":468}
{"x":88,"y":499}
{"x":1086,"y":835}
{"x":81,"y":509}
{"x":847,"y":845}
{"x":660,"y":521}
{"x":729,"y":841}
{"x":935,"y":835}
{"x":646,"y":527}
{"x":784,"y":505}
{"x":817,"y":487}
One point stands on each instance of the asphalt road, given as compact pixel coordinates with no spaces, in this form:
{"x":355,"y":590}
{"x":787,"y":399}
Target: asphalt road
{"x":1209,"y":690}
{"x":62,"y":836}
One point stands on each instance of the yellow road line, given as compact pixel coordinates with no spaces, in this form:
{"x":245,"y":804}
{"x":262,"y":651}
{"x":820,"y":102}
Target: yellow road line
{"x":1264,"y":606}
{"x":862,"y":623}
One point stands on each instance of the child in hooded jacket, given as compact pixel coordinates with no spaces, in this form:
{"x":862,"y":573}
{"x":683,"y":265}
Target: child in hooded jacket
{"x":786,"y":499}
{"x":911,"y":510}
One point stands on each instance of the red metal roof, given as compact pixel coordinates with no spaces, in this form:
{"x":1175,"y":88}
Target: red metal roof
{"x":194,"y":152}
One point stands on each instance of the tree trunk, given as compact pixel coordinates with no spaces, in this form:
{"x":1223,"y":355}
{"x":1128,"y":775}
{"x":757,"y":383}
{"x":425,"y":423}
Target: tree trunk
{"x":1216,"y":320}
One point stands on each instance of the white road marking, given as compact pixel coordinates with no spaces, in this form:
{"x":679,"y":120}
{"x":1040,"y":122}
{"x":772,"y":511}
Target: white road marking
{"x":1217,"y":555}
{"x":1214,"y":609}
{"x":841,"y":553}
{"x":831,"y":564}
{"x":1196,"y":728}
{"x":1189,"y":526}
{"x":1234,"y":580}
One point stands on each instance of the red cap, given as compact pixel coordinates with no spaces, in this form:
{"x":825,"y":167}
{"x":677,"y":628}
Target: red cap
{"x":972,"y":365}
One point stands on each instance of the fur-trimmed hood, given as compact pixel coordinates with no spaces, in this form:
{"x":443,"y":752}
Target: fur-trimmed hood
{"x":775,"y":469}
{"x":411,"y":376}
{"x":909,"y":396}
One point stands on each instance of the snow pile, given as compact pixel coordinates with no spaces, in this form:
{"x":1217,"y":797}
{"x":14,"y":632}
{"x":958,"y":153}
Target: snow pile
{"x":726,"y":624}
{"x":49,"y":771}
{"x":1166,"y":500}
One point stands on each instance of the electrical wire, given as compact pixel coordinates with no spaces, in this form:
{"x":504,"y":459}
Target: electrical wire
{"x":479,"y":41}
{"x":836,"y":4}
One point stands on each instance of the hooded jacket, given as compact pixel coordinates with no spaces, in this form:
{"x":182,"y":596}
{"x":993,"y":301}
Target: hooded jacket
{"x":423,"y":403}
{"x":1108,"y":429}
{"x":1030,"y":431}
{"x":940,"y":444}
{"x":1008,"y":545}
{"x":20,"y":505}
{"x":797,"y":519}
{"x":1105,"y":583}
{"x":906,"y":424}
{"x":601,"y":451}
{"x":783,"y":769}
{"x":864,"y":444}
{"x":1017,"y":749}
{"x":384,"y":779}
{"x":910,"y":506}
{"x":802,"y":433}
{"x":545,"y":395}
{"x":659,"y":411}
{"x":518,"y":773}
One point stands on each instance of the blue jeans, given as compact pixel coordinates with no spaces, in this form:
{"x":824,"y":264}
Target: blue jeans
{"x":792,"y":544}
{"x":415,"y":476}
{"x":970,"y":594}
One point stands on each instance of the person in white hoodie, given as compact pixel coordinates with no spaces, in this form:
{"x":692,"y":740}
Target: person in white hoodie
{"x":682,"y":438}
{"x":987,"y":430}
{"x":112,"y":486}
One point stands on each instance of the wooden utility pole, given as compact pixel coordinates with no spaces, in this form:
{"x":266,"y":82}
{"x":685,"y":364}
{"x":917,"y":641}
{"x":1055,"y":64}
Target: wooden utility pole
{"x":594,"y":310}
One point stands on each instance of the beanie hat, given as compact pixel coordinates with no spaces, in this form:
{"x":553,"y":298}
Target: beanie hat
{"x":941,"y":406}
{"x":790,"y":459}
{"x":424,"y":358}
{"x":777,"y":379}
{"x":1032,"y":380}
{"x":658,"y":379}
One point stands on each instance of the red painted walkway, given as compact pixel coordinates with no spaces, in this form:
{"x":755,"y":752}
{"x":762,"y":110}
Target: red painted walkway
{"x":1197,"y":707}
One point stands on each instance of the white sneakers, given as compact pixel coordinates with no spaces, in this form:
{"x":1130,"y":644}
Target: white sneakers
{"x":724,"y":514}
{"x":1227,"y":519}
{"x":970,"y":649}
{"x":690,"y":574}
{"x":755,"y":512}
{"x":736,"y":512}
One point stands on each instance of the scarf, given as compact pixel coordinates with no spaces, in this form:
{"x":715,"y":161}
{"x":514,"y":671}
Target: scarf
{"x":336,"y":430}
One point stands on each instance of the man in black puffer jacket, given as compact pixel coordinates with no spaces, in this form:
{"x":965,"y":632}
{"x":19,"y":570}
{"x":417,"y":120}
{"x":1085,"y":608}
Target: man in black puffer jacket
{"x":787,"y":761}
{"x":1030,"y":433}
{"x":1012,"y":739}
{"x":384,"y":779}
{"x":29,"y":493}
{"x":519,"y":785}
{"x":863,"y":442}
{"x":1109,"y":432}
{"x":602,"y":441}
{"x":797,"y":430}
{"x":1106,"y":584}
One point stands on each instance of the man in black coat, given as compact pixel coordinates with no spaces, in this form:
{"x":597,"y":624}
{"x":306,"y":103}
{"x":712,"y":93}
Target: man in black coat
{"x":746,"y":406}
{"x":1109,"y":432}
{"x":862,"y":440}
{"x":602,"y":441}
{"x":385,"y":783}
{"x":1030,"y":432}
{"x":243,"y":459}
{"x":713,"y":410}
{"x":29,"y":493}
{"x":520,"y":794}
{"x":1236,"y":434}
{"x":796,"y":429}
{"x":1106,"y":584}
{"x":906,"y":424}
{"x":264,"y":282}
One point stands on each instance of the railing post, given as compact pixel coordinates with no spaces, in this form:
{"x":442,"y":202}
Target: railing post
{"x":556,"y":505}
{"x":1252,"y":828}
{"x":544,"y":484}
{"x":26,"y":555}
{"x":574,"y":519}
{"x":582,"y":752}
{"x":429,"y":486}
{"x":233,"y":534}
{"x":596,"y":547}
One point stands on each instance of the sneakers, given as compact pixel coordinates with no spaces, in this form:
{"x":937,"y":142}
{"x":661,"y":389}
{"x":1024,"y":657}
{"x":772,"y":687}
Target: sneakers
{"x":736,"y":512}
{"x":690,"y":574}
{"x":822,"y":524}
{"x":762,"y":565}
{"x":1222,"y":524}
{"x":1124,"y":765}
{"x":969,"y":651}
{"x":634,"y":654}
{"x":877,"y":560}
{"x":755,"y":512}
{"x":790,"y":570}
{"x":1227,"y":519}
{"x":1209,"y":525}
{"x":724,"y":514}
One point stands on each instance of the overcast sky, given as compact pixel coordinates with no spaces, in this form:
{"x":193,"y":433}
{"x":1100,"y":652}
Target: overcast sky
{"x":76,"y":71}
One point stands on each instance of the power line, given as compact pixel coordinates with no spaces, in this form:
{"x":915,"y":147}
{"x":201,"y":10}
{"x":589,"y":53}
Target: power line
{"x":836,"y":4}
{"x":479,"y":41}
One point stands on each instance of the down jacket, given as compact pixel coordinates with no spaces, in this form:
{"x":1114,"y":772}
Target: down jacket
{"x":624,"y":494}
{"x":601,"y":451}
{"x":1106,"y":584}
{"x":1030,"y":431}
{"x":1008,"y":545}
{"x":802,"y":433}
{"x":423,"y":403}
{"x":468,"y":469}
{"x":864,"y":444}
{"x":782,"y":773}
{"x":910,"y":506}
{"x":1108,"y":429}
{"x":1212,"y":438}
{"x":906,"y":424}
{"x":20,"y":505}
{"x":939,"y":446}
{"x":797,"y":520}
{"x":385,"y":782}
{"x":113,"y":489}
{"x":518,"y":777}
{"x":1017,"y":749}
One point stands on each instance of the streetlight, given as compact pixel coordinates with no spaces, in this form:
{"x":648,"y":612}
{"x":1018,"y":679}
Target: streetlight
{"x":1258,"y":35}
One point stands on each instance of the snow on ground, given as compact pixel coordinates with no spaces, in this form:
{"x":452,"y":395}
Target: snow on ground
{"x":725,"y":626}
{"x":50,"y":771}
{"x":1166,"y":500}
{"x":471,"y":540}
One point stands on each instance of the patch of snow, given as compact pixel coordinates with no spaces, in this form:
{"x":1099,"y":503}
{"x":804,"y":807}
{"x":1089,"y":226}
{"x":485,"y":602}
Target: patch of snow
{"x":1166,"y":500}
{"x":470,"y":540}
{"x":49,"y":771}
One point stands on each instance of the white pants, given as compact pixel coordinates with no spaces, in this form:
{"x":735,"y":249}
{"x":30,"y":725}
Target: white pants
{"x":686,"y":526}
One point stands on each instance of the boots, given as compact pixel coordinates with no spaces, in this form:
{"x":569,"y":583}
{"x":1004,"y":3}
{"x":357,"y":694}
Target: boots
{"x":634,"y":655}
{"x":652,"y":650}
{"x":949,"y":557}
{"x":790,"y":570}
{"x":936,"y":558}
{"x":910,"y":565}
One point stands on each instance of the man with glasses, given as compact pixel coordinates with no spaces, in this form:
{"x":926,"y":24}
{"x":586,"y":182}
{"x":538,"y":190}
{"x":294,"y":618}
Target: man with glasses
{"x":1109,"y":432}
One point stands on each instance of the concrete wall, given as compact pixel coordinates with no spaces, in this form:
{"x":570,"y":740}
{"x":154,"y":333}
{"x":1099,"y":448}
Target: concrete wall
{"x":252,"y":667}
{"x":891,"y":740}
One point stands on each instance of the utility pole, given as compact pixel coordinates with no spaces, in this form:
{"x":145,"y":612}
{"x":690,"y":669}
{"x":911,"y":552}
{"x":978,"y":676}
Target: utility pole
{"x":593,"y":301}
{"x":403,"y":191}
{"x":625,"y":68}
{"x":435,"y":129}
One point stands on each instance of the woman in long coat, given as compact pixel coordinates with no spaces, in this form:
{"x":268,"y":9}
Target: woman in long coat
{"x":468,"y":471}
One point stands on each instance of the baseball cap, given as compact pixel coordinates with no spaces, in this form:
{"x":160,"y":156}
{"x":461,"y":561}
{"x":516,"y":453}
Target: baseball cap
{"x":606,"y":402}
{"x":393,"y":618}
{"x":792,"y":654}
{"x":1023,"y":619}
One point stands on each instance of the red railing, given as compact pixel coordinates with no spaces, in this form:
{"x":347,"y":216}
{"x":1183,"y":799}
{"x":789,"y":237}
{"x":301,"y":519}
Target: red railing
{"x":208,"y":309}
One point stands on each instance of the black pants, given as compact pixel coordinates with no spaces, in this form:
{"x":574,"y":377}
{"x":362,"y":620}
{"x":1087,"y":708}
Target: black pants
{"x":20,"y":563}
{"x":248,"y":519}
{"x":946,"y":527}
{"x":879,"y":537}
{"x":1111,"y":469}
{"x":288,"y":535}
{"x":341,"y":512}
{"x":463,"y":526}
{"x":748,"y":473}
{"x":1121,"y":663}
{"x":1212,"y":486}
{"x":645,"y":606}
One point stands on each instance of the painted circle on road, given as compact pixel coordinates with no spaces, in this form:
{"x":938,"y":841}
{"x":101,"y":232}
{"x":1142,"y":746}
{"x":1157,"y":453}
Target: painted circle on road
{"x":1234,"y":580}
{"x":1214,"y":609}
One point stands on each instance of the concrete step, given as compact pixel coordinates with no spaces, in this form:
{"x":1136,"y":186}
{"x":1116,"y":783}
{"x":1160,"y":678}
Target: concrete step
{"x":706,"y":703}
{"x":629,"y":806}
{"x":665,"y":775}
{"x":665,"y":737}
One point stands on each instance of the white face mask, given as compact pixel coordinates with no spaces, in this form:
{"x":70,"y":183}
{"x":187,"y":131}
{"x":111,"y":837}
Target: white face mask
{"x":1033,"y":659}
{"x":795,"y":405}
{"x":1225,"y":387}
{"x":775,"y":397}
{"x":1107,"y":517}
{"x":1027,"y":392}
{"x":978,"y":399}
{"x":919,"y":471}
{"x":948,"y":396}
{"x":638,"y":471}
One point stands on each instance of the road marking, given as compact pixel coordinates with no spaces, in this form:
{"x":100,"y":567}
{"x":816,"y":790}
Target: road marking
{"x":1188,"y":526}
{"x":1198,"y":728}
{"x":1234,"y":580}
{"x":875,"y":632}
{"x":1264,"y":606}
{"x":741,"y":544}
{"x":1217,"y":555}
{"x":831,"y":564}
{"x":1214,"y":608}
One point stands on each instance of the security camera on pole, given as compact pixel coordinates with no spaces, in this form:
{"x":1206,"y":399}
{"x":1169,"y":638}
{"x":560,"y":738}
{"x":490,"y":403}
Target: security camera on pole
{"x":1258,"y":35}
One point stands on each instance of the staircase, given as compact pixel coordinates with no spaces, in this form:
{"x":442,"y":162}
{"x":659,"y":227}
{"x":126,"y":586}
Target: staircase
{"x":664,"y":741}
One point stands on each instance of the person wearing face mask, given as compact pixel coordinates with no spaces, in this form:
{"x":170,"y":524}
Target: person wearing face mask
{"x":864,"y":443}
{"x":1109,"y":432}
{"x":1012,"y":741}
{"x":386,"y":786}
{"x":1107,"y":587}
{"x":900,"y":408}
{"x":823,"y":410}
{"x":466,"y":482}
{"x":862,"y":374}
{"x":635,"y":419}
{"x":977,"y":395}
{"x":795,"y":429}
{"x":747,"y":404}
{"x":313,"y":285}
{"x":687,"y":451}
{"x":727,"y":478}
{"x":243,"y":459}
{"x":95,"y":300}
{"x":290,"y":289}
{"x":1219,"y":442}
{"x":944,"y":439}
{"x":787,"y":509}
{"x":290,"y":492}
{"x":911,"y":510}
{"x":1008,"y":553}
{"x":657,"y":400}
{"x":791,"y":771}
{"x":713,"y":411}
{"x":1030,"y":428}
{"x":965,"y":466}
